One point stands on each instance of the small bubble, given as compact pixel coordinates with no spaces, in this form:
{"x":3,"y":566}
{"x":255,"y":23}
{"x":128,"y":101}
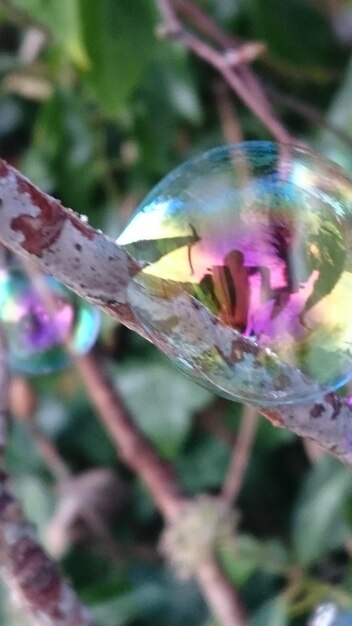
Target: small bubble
{"x":41,"y":320}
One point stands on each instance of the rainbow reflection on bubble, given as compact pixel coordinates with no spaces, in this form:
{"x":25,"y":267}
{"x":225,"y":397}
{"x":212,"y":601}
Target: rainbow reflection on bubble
{"x":44,"y":323}
{"x":259,"y":236}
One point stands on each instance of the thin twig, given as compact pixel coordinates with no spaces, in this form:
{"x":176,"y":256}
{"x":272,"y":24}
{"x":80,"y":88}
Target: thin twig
{"x":133,"y":447}
{"x":194,"y":14}
{"x":310,"y":113}
{"x":88,"y":503}
{"x":241,"y":455}
{"x":81,"y":496}
{"x":237,"y":75}
{"x":160,"y":478}
{"x":209,"y":28}
{"x":204,"y":24}
{"x":49,"y":452}
{"x":216,"y":587}
{"x":231,"y":127}
{"x":32,"y":45}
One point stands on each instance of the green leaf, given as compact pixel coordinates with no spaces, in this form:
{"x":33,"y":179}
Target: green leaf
{"x":62,"y":155}
{"x":3,"y":605}
{"x":174,"y":69}
{"x":204,"y":465}
{"x":37,"y":501}
{"x":318,"y":524}
{"x":83,"y":436}
{"x":21,"y":454}
{"x":120,"y":610}
{"x":225,"y":9}
{"x":63,"y":21}
{"x":119,"y":38}
{"x":251,"y":554}
{"x":273,"y":612}
{"x":240,"y":564}
{"x":171,"y":83}
{"x":162,"y":402}
{"x":94,"y":576}
{"x":107,"y":586}
{"x":347,"y":510}
{"x":182,"y":603}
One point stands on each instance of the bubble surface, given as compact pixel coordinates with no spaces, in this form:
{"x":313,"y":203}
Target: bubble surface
{"x":45,"y":324}
{"x":247,"y":271}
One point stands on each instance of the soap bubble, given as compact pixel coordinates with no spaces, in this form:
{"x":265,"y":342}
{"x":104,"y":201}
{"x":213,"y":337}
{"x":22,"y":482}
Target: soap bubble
{"x":246,"y":277}
{"x":45,"y":324}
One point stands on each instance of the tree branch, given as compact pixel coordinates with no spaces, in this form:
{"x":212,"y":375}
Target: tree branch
{"x":229,"y":61}
{"x":30,"y":574}
{"x":231,"y":128}
{"x":133,"y":448}
{"x":310,"y":113}
{"x":215,"y":586}
{"x":159,"y":476}
{"x":240,"y":455}
{"x":39,"y":228}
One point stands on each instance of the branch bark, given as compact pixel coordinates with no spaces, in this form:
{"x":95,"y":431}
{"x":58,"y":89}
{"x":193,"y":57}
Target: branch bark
{"x":240,"y":455}
{"x":214,"y":585}
{"x":229,"y":62}
{"x":133,"y":448}
{"x":32,"y":577}
{"x":159,"y":476}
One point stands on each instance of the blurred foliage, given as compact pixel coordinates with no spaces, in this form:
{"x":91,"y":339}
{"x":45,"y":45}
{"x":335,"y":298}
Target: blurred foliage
{"x":95,"y":108}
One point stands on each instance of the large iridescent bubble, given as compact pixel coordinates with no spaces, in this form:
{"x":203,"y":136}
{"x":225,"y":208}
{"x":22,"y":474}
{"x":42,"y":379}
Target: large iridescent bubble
{"x":45,"y":324}
{"x":247,"y":277}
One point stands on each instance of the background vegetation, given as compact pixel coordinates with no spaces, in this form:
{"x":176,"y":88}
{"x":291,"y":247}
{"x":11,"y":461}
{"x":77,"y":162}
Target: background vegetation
{"x":95,"y":109}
